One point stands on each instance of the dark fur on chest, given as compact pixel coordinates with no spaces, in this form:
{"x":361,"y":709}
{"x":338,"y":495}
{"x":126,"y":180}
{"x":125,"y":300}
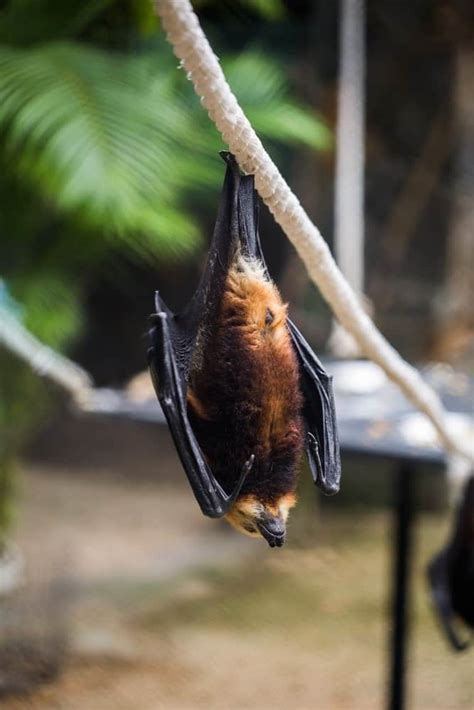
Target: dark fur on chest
{"x":249,"y":403}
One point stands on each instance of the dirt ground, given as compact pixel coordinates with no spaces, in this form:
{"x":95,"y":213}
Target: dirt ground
{"x":170,"y":610}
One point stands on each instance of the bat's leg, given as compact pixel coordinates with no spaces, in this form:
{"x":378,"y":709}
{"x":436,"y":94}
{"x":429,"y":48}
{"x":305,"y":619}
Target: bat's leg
{"x":213,"y":500}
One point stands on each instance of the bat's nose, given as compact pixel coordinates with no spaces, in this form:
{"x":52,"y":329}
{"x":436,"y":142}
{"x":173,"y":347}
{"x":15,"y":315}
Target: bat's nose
{"x":273,"y":530}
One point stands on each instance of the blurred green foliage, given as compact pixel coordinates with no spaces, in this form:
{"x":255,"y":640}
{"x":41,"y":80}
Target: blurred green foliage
{"x":103,"y":147}
{"x":117,"y":140}
{"x":23,"y":403}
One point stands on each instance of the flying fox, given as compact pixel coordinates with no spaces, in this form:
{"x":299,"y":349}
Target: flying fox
{"x":242,"y":391}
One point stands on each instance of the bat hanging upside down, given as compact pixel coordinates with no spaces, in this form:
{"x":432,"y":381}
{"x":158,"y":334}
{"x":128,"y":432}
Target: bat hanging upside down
{"x":244,"y":402}
{"x":241,"y":389}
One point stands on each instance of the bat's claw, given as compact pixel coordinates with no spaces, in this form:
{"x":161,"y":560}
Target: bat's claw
{"x":248,"y":465}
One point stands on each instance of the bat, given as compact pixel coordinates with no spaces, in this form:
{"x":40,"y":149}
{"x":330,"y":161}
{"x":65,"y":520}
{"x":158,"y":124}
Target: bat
{"x":451,"y":573}
{"x":241,"y":389}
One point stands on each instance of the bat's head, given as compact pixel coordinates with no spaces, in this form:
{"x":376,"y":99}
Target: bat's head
{"x":255,"y":518}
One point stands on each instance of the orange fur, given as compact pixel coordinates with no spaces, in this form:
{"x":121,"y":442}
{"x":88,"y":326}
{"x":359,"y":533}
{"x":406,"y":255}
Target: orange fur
{"x":196,"y":404}
{"x":250,"y":504}
{"x":248,"y":298}
{"x":248,"y":508}
{"x":250,"y":375}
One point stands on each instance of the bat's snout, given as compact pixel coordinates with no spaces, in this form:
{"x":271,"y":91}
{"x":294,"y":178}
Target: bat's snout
{"x":273,"y":529}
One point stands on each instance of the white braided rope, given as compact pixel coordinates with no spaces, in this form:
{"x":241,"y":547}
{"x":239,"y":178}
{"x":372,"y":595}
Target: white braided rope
{"x":67,"y":374}
{"x":42,"y":359}
{"x":202,"y":66}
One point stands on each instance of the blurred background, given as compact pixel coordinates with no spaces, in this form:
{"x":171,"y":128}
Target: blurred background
{"x":116,"y":592}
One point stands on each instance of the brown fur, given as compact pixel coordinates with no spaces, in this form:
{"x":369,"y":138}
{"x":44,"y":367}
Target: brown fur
{"x":245,"y":399}
{"x":247,"y":301}
{"x":248,"y":509}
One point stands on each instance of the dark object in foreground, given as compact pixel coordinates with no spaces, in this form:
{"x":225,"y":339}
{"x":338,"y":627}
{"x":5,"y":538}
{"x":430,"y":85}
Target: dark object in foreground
{"x":451,"y":573}
{"x":241,"y":389}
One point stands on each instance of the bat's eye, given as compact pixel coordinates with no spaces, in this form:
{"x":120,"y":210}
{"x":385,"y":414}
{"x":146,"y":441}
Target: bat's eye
{"x":268,"y":317}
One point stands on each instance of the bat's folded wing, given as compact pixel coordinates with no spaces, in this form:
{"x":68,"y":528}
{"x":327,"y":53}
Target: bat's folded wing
{"x":322,"y":445}
{"x":177,"y":338}
{"x":171,"y":391}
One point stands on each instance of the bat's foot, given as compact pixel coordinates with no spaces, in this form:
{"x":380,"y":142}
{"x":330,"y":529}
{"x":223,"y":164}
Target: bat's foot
{"x":247,"y":467}
{"x":156,"y":318}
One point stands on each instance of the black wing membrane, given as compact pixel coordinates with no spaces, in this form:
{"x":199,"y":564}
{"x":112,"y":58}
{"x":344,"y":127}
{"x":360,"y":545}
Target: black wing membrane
{"x":213,"y":500}
{"x":451,"y":574}
{"x":175,"y":339}
{"x":322,"y":446}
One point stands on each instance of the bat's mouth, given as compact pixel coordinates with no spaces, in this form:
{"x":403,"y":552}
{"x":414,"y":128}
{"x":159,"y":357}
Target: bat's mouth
{"x":273,"y":531}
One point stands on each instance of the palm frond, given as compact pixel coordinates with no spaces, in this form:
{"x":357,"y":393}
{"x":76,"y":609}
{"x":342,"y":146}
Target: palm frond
{"x":118,"y":140}
{"x":51,"y":307}
{"x":269,"y":106}
{"x":80,"y":125}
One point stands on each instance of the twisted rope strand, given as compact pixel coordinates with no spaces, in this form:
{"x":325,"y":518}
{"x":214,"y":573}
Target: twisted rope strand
{"x":43,"y":359}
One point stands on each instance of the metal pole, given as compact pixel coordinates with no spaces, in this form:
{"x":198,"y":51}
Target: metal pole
{"x":350,"y":145}
{"x":402,"y":552}
{"x":349,"y":228}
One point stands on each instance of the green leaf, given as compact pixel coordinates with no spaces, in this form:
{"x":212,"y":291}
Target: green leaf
{"x":79,"y":124}
{"x":255,"y":78}
{"x":273,"y":10}
{"x":50,"y":307}
{"x":266,"y":101}
{"x":289,"y":123}
{"x":118,"y":142}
